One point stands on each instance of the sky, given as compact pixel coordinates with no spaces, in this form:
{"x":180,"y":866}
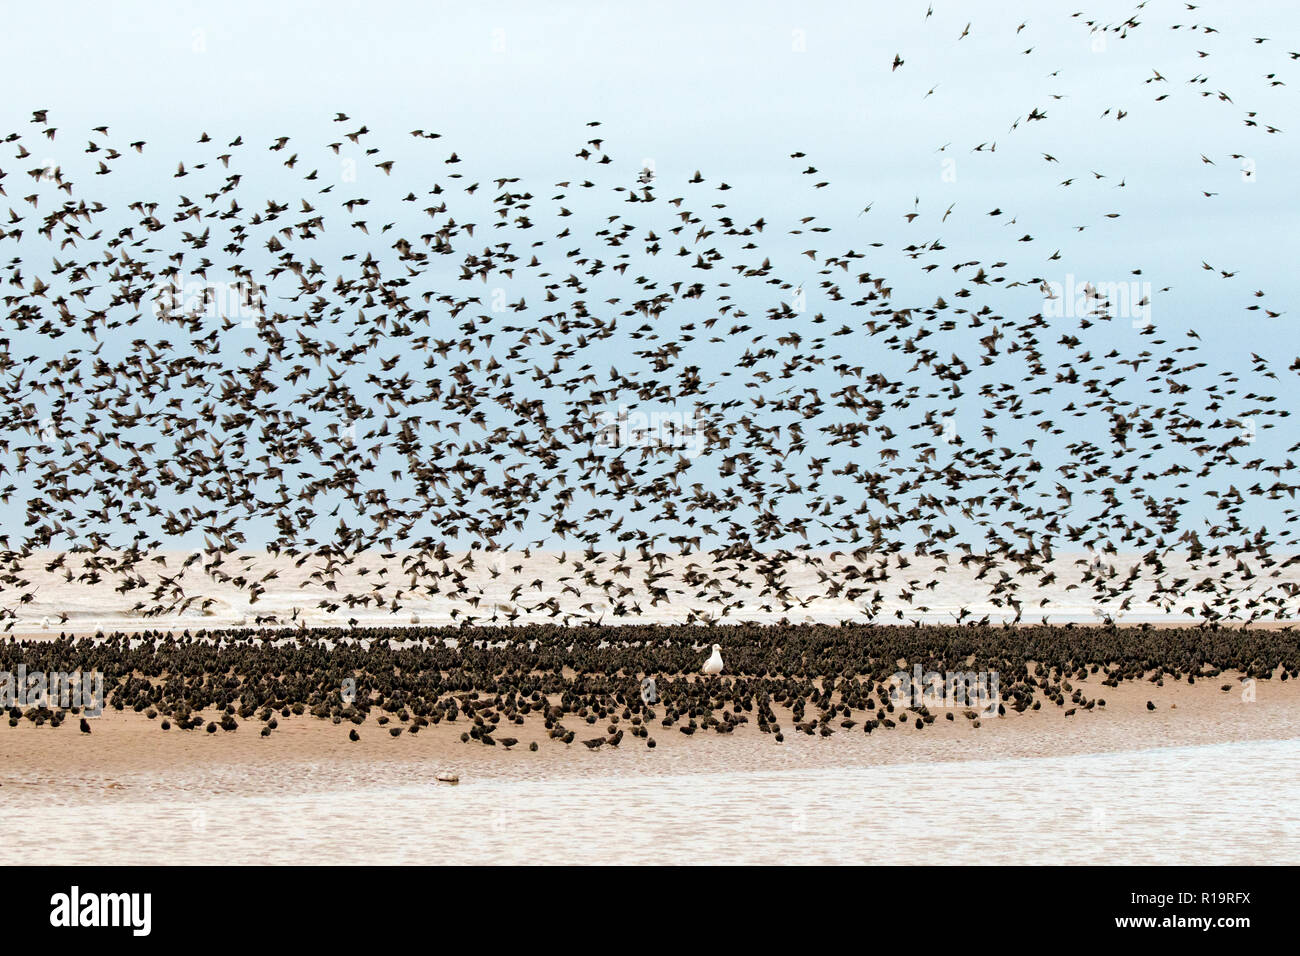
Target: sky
{"x":733,"y":90}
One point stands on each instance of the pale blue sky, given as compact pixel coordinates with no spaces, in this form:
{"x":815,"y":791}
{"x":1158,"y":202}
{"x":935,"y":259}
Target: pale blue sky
{"x":732,"y":89}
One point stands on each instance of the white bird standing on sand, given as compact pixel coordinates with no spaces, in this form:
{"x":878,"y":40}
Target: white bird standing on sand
{"x":714,"y":664}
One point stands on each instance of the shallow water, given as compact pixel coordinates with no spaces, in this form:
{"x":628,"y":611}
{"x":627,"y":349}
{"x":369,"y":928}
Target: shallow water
{"x":1222,"y":803}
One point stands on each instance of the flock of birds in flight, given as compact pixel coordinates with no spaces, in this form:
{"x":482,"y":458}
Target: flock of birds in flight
{"x":434,"y":396}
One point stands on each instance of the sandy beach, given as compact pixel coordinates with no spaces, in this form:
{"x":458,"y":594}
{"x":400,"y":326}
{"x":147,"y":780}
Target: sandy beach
{"x":1052,"y":776}
{"x":1120,"y":785}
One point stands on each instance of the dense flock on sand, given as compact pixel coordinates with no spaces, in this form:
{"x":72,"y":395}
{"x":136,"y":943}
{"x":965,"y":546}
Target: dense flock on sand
{"x":589,"y":685}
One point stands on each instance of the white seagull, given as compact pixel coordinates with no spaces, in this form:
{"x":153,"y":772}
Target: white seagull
{"x":714,"y":664}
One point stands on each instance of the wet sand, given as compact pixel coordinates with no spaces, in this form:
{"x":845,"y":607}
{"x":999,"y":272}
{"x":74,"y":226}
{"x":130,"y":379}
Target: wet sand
{"x":1035,"y":786}
{"x":1206,"y":773}
{"x":1206,"y":777}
